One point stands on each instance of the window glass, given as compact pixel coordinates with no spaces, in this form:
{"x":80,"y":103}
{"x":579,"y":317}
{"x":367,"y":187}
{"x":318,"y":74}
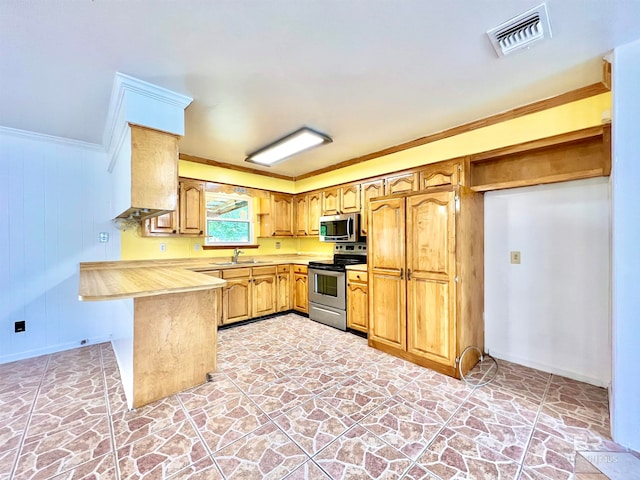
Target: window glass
{"x":229,"y":219}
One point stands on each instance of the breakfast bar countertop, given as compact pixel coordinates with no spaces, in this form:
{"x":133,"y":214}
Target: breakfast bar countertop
{"x":116,"y":283}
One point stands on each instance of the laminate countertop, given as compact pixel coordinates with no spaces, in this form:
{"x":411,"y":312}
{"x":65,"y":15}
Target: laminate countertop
{"x":359,"y":267}
{"x":144,"y":278}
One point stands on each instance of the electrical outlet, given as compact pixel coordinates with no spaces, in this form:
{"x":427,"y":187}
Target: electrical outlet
{"x":196,"y":247}
{"x":104,"y":237}
{"x":20,"y":326}
{"x":278,"y":245}
{"x":515,"y":258}
{"x":163,"y":247}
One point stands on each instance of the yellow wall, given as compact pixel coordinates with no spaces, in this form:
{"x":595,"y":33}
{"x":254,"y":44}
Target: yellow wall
{"x":565,"y":118}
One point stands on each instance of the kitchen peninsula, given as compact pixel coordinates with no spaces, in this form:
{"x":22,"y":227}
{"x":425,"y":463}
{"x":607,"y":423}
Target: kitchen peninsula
{"x":172,"y":344}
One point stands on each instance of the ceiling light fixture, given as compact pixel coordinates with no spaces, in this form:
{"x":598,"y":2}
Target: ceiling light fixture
{"x":302,"y":139}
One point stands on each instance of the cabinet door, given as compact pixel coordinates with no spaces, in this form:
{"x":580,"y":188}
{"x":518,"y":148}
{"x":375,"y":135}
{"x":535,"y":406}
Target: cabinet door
{"x":237,"y":300}
{"x":315,"y":208}
{"x":331,"y":201}
{"x":442,"y":173}
{"x":386,"y":245}
{"x":368,"y":191}
{"x":284,"y":291}
{"x":350,"y":199}
{"x":357,"y":306}
{"x":300,"y":292}
{"x":400,"y":183}
{"x":264,"y":295}
{"x":282,"y":211}
{"x":166,"y":224}
{"x":301,"y":212}
{"x":192,"y":208}
{"x":431,"y":287}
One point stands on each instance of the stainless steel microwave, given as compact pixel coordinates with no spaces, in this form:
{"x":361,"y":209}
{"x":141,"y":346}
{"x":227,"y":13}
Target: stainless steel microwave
{"x":340,"y":228}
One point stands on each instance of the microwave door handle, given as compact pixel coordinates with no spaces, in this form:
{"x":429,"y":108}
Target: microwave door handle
{"x":349,"y":227}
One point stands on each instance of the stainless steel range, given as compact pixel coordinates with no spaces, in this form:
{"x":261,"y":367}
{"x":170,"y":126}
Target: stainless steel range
{"x":328,"y":284}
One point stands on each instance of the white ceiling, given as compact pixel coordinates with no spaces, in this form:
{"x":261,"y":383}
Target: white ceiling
{"x":369,"y":73}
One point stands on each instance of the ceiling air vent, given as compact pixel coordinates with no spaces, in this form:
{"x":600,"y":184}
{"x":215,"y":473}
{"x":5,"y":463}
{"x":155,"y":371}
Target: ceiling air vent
{"x":521,"y":31}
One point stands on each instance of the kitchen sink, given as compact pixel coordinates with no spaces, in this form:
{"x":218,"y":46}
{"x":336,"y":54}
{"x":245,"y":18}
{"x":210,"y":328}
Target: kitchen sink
{"x":239,"y":262}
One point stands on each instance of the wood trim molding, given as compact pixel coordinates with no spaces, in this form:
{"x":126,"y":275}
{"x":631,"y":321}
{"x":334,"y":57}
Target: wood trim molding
{"x":231,"y":166}
{"x":563,"y":138}
{"x":568,"y":97}
{"x":227,"y":247}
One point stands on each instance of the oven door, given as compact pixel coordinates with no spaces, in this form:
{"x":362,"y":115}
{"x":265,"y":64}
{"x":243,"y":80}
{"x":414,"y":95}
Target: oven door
{"x":327,"y":287}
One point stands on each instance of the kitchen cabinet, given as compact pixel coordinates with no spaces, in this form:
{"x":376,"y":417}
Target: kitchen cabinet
{"x":314,"y":204}
{"x":189,"y":219}
{"x":218,"y":294}
{"x":426,"y":276}
{"x":350,"y":199}
{"x":237,"y":294}
{"x":249,"y":293}
{"x":283,"y":302}
{"x":301,"y":214}
{"x":331,"y":201}
{"x":147,"y":170}
{"x":300,"y":288}
{"x":357,"y":301}
{"x":276,"y":219}
{"x":192,"y":208}
{"x":400,"y":183}
{"x":369,"y":190}
{"x":441,"y":173}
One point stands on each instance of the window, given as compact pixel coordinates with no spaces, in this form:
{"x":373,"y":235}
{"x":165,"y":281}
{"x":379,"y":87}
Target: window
{"x":229,"y":219}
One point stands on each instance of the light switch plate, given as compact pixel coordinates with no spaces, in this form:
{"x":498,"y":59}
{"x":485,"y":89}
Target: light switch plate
{"x":515,"y":258}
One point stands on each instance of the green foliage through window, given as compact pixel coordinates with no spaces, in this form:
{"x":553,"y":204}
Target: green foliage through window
{"x":229,"y":219}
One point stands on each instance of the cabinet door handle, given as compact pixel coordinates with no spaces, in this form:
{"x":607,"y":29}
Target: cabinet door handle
{"x":200,"y":232}
{"x":408,"y":274}
{"x":175,"y":231}
{"x":401,"y":274}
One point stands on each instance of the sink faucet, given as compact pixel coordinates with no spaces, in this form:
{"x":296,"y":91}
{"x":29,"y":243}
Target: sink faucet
{"x":236,"y":252}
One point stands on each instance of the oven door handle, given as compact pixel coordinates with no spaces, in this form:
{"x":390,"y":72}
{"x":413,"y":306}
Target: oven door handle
{"x":325,"y":310}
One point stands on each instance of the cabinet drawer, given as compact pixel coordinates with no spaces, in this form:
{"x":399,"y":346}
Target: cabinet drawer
{"x":284,"y":268}
{"x":299,"y":269}
{"x":356,"y":276}
{"x":270,"y":270}
{"x":236,"y":273}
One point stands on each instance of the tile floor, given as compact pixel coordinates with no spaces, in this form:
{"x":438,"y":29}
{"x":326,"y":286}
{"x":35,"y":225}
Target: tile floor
{"x":295,"y":399}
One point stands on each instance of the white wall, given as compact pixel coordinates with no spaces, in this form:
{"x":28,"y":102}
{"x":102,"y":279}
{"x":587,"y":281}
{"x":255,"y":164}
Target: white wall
{"x":551,"y":312}
{"x":625,"y":405}
{"x":54,"y":201}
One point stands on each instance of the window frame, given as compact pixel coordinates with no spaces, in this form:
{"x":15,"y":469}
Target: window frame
{"x":251,"y":220}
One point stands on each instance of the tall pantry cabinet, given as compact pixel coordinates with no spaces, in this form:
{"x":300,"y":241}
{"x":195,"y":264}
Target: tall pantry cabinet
{"x":426,"y":276}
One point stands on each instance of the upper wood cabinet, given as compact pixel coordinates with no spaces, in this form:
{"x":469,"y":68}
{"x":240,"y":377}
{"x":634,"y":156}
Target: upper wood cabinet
{"x":146,"y":171}
{"x":369,"y":190}
{"x":425,"y":274}
{"x":400,"y":183}
{"x":441,"y":173}
{"x":276,"y":219}
{"x":188,"y":220}
{"x":331,"y":201}
{"x":349,"y":199}
{"x":301,"y":214}
{"x":314,"y":204}
{"x":192,"y":207}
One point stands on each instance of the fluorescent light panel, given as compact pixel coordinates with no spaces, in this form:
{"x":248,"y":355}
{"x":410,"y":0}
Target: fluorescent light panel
{"x":296,"y":142}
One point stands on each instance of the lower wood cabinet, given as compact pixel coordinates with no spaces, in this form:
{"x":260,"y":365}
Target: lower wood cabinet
{"x":300,"y":288}
{"x":357,"y":301}
{"x":219,"y":296}
{"x":249,"y":293}
{"x":283,"y":302}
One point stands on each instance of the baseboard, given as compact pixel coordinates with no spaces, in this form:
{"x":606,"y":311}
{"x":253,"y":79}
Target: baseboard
{"x":549,"y":368}
{"x":61,"y":347}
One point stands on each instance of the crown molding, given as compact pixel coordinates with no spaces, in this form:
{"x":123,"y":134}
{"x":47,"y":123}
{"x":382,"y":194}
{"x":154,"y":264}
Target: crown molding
{"x":125,"y":83}
{"x":42,"y":137}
